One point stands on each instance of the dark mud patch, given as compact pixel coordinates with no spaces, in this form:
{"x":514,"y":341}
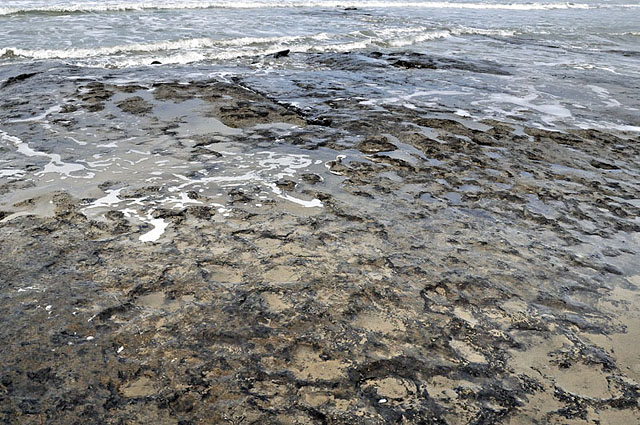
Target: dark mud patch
{"x":93,"y":96}
{"x":18,"y":78}
{"x":135,"y":105}
{"x":376,"y":145}
{"x":413,"y":60}
{"x":234,"y":105}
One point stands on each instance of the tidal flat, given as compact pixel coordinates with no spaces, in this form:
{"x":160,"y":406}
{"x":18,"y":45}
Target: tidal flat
{"x":201,"y":251}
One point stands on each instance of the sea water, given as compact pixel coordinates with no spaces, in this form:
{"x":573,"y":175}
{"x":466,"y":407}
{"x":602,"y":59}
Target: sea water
{"x":570,"y":63}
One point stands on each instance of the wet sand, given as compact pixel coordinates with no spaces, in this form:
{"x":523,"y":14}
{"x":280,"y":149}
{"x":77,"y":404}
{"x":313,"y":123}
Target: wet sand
{"x":359,"y":266}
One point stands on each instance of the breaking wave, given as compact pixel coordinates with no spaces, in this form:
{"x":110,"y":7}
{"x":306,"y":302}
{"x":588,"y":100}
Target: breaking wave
{"x":161,"y":46}
{"x":93,"y":7}
{"x":199,"y":49}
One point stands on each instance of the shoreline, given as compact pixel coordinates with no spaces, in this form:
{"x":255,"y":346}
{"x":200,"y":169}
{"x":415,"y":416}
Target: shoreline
{"x":356,"y":265}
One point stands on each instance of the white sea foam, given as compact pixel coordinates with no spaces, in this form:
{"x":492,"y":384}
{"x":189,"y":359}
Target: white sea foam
{"x":418,"y":38}
{"x":55,"y":165}
{"x":188,"y":44}
{"x":109,"y":200}
{"x":554,"y":110}
{"x":267,"y":167}
{"x":180,"y":201}
{"x":605,"y":96}
{"x":75,"y":53}
{"x":608,"y":126}
{"x":248,"y":41}
{"x":483,"y":31}
{"x":159,"y":226}
{"x":632,"y":33}
{"x":37,"y":117}
{"x":115,"y":6}
{"x":196,"y":50}
{"x":189,"y":50}
{"x":193,"y":50}
{"x":314,"y":203}
{"x":11,"y":173}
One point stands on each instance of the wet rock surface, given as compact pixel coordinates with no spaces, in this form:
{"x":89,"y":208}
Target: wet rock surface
{"x":135,"y":105}
{"x":412,"y":60}
{"x":393,"y":266}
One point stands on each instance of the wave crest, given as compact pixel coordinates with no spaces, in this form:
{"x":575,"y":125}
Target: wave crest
{"x":200,"y":49}
{"x":93,"y":7}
